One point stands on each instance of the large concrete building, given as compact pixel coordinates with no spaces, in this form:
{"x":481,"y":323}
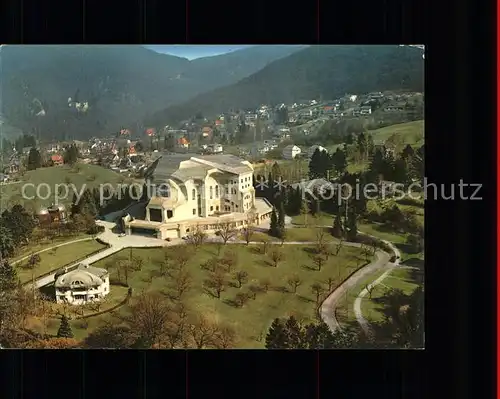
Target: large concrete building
{"x":189,"y":191}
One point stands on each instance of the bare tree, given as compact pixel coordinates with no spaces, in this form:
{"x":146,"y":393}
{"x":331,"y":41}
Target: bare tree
{"x":225,"y":338}
{"x":226,"y":230}
{"x":317,"y":289}
{"x":248,"y":233}
{"x":241,"y":298}
{"x":203,"y":332}
{"x":265,"y":283}
{"x":319,"y":260}
{"x":320,"y":240}
{"x":149,"y":314}
{"x":366,"y":251}
{"x":217,"y":282}
{"x":283,"y":236}
{"x":339,"y":247}
{"x":241,"y":277}
{"x":369,"y":288}
{"x":330,"y":281}
{"x":196,"y":237}
{"x":265,"y":245}
{"x":229,"y":260}
{"x":211,"y":264}
{"x":182,"y":257}
{"x":254,"y":290}
{"x":182,"y":283}
{"x":177,"y":326}
{"x":276,"y":256}
{"x":294,"y":282}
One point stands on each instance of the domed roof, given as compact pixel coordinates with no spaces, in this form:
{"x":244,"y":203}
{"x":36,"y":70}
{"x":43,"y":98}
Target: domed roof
{"x":42,"y":211}
{"x":58,"y":207}
{"x":82,"y":276}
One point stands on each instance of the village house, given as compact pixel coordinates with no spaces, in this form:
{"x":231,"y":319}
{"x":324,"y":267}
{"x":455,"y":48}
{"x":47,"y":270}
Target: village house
{"x":313,"y":149}
{"x":81,"y":285}
{"x":57,"y":159}
{"x":291,"y":151}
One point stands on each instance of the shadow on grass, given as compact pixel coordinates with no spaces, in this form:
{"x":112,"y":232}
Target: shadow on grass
{"x":305,"y":299}
{"x":231,"y":303}
{"x":309,"y":268}
{"x":310,"y":251}
{"x":281,"y":289}
{"x":47,"y":290}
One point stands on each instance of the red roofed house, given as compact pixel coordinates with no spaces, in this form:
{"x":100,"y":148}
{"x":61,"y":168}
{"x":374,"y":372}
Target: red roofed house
{"x":183,"y":142}
{"x":218,"y":122}
{"x":57,"y":159}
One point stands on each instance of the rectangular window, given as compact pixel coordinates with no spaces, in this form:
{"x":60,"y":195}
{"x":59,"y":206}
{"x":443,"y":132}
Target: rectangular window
{"x":194,"y":211}
{"x":216,"y":208}
{"x":211,"y":208}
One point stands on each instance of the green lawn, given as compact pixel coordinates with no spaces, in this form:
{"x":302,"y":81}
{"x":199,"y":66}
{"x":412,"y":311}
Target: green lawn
{"x":44,"y":244}
{"x":411,"y":133}
{"x":345,"y":310}
{"x":252,"y":321}
{"x":322,"y":219}
{"x":58,"y":257}
{"x":90,"y":175}
{"x":400,"y":279}
{"x":80,"y":328}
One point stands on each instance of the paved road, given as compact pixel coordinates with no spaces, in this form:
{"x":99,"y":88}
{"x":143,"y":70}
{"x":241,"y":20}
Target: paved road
{"x":330,"y":304}
{"x":116,"y":244}
{"x":357,"y":303}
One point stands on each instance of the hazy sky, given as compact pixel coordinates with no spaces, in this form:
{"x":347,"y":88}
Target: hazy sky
{"x":194,"y":51}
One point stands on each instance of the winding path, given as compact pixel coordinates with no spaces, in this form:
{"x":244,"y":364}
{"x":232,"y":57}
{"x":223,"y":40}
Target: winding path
{"x":328,"y":307}
{"x":365,"y":326}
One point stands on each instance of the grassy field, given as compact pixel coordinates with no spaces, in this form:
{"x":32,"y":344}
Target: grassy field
{"x":302,"y":234}
{"x":322,"y":219}
{"x":345,"y":309}
{"x":90,"y":175}
{"x":253,"y":319}
{"x":405,"y":280}
{"x":44,"y":244}
{"x":411,"y":133}
{"x":58,"y":257}
{"x":80,"y":327}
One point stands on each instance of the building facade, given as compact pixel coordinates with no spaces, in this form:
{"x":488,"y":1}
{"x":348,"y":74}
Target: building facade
{"x":201,"y":191}
{"x":81,"y":285}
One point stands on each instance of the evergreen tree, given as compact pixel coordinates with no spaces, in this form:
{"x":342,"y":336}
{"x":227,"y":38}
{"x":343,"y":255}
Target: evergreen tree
{"x":351,"y":226}
{"x":70,"y":154}
{"x":407,"y":153}
{"x":281,"y":216}
{"x":294,"y":334}
{"x":276,"y":172}
{"x":64,"y":328}
{"x":34,"y":159}
{"x":7,"y":244}
{"x":401,"y":172}
{"x":276,"y":337}
{"x":339,"y":160}
{"x":338,"y":229}
{"x":274,"y":229}
{"x":8,"y":276}
{"x":304,"y":209}
{"x":377,"y":166}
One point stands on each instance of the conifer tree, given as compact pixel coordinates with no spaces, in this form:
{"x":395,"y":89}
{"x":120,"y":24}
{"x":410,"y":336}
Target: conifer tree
{"x":281,"y":216}
{"x":274,"y":226}
{"x":304,"y":209}
{"x":351,"y":226}
{"x":338,"y":230}
{"x":8,"y":277}
{"x":276,"y":337}
{"x":294,"y":334}
{"x":64,"y":328}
